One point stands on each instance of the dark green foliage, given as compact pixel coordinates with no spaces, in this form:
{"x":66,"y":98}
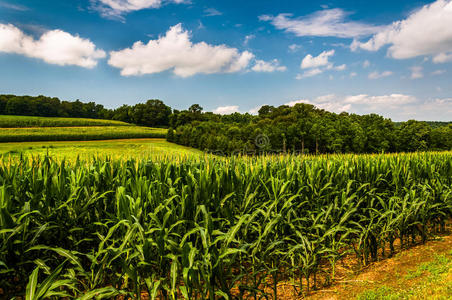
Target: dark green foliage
{"x":306,"y":129}
{"x":153,"y":113}
{"x":170,"y":135}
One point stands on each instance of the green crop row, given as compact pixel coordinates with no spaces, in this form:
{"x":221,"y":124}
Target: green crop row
{"x":207,"y":227}
{"x":27,"y":121}
{"x":78,"y":133}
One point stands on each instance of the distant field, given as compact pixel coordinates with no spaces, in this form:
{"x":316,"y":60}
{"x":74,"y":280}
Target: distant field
{"x":125,"y":149}
{"x":78,"y":133}
{"x":27,"y":121}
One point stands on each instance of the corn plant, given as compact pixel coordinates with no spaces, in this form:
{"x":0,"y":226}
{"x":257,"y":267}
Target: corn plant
{"x":209,"y":227}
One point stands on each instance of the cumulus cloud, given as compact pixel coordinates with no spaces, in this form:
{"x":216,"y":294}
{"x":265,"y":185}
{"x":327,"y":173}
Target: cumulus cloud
{"x":319,"y":102}
{"x":226,"y":110}
{"x":434,"y":109}
{"x":54,"y":47}
{"x":442,"y":58}
{"x":397,"y":106}
{"x":427,"y":31}
{"x":366,"y":64}
{"x":400,"y":107}
{"x":378,"y":75}
{"x":174,"y":51}
{"x":316,"y":65}
{"x":416,"y":72}
{"x":115,"y":8}
{"x":325,"y":23}
{"x":268,"y":66}
{"x":322,"y":59}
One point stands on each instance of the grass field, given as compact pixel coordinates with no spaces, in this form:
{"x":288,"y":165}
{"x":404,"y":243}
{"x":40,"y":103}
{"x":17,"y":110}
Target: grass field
{"x":117,"y":149}
{"x":78,"y":133}
{"x":7,"y":121}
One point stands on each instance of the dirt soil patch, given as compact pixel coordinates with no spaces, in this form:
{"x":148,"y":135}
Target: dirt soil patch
{"x":391,"y":272}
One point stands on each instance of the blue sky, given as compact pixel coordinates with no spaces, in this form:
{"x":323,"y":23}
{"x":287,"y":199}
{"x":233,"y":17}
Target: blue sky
{"x":393,"y":58}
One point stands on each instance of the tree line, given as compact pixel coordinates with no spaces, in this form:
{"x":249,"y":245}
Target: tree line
{"x":152,"y":113}
{"x":302,"y":128}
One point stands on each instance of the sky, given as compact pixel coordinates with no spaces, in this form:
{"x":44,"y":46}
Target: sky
{"x":393,"y":58}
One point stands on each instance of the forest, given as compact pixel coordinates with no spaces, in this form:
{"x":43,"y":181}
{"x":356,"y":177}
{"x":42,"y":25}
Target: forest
{"x":302,"y":128}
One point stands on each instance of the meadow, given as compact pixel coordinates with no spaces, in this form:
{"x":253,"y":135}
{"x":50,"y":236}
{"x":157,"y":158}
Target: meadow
{"x":205,"y":227}
{"x":78,"y":133}
{"x":7,"y":121}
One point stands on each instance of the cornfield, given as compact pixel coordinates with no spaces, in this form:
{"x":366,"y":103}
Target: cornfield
{"x":207,"y":227}
{"x":83,"y":133}
{"x":10,"y":121}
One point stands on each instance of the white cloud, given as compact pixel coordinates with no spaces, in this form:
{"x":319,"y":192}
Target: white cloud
{"x":442,"y":58}
{"x":377,"y":75}
{"x":322,"y":104}
{"x":353,"y":74}
{"x":366,"y":64}
{"x":201,"y":25}
{"x":292,"y":103}
{"x":255,"y":110}
{"x":115,"y":8}
{"x":314,"y":62}
{"x":318,"y":64}
{"x":438,"y":72}
{"x":416,"y":72}
{"x":309,"y":73}
{"x":270,"y":66}
{"x":327,"y":22}
{"x":294,"y":48}
{"x":433,"y":110}
{"x":54,"y":47}
{"x":398,"y":106}
{"x":174,"y":51}
{"x":13,"y":6}
{"x":427,"y":31}
{"x":248,"y":38}
{"x":392,"y":99}
{"x":211,"y":12}
{"x":341,"y":67}
{"x":226,"y":110}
